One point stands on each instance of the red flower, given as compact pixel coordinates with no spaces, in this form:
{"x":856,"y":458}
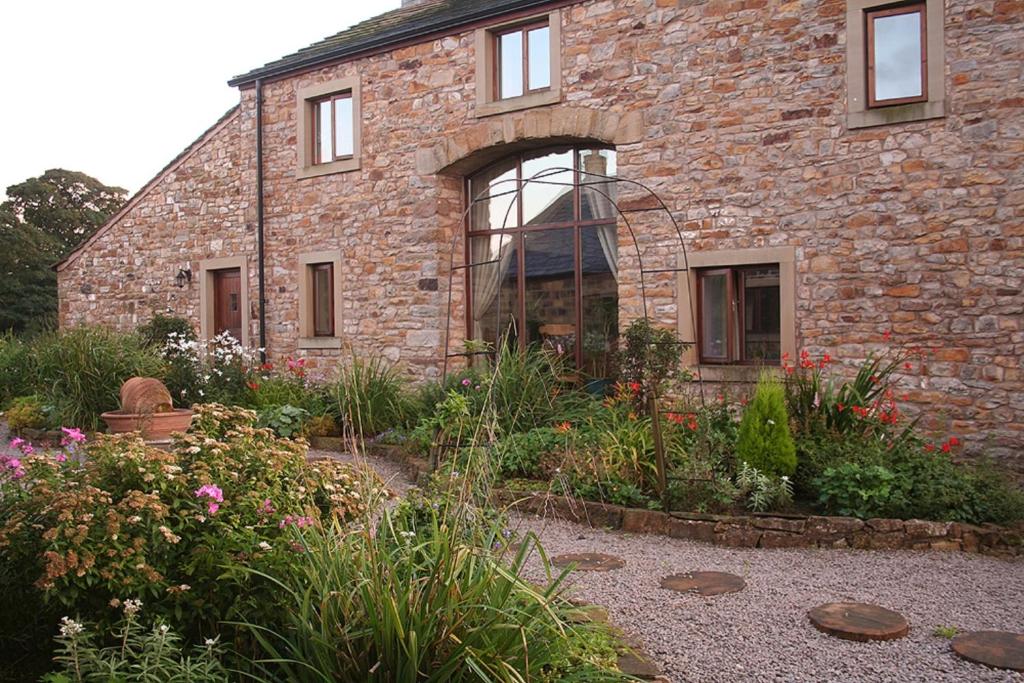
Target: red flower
{"x":839,"y":406}
{"x":563,"y":427}
{"x":692,"y":425}
{"x":267,"y":366}
{"x":634,"y":387}
{"x":945,"y":447}
{"x":785,"y":355}
{"x":252,"y":385}
{"x":907,"y":366}
{"x":953,"y":441}
{"x":674,"y":417}
{"x":929,"y":447}
{"x":874,"y":379}
{"x":887,"y":335}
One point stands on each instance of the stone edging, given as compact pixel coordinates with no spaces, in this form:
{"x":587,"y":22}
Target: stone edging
{"x":767,"y":531}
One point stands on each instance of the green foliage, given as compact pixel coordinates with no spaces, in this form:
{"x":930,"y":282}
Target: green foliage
{"x":763,"y":492}
{"x":434,"y":596}
{"x":127,"y":519}
{"x":66,"y":206}
{"x":28,"y":288}
{"x":368,"y":396}
{"x":80,"y":371}
{"x":175,"y":340}
{"x":856,"y":490}
{"x":321,"y":425}
{"x":947,"y":632}
{"x":521,"y":455}
{"x":137,"y":655}
{"x":764,"y":441}
{"x":650,"y":359}
{"x":287,"y":421}
{"x":26,"y":412}
{"x":163,"y":328}
{"x":17,"y":368}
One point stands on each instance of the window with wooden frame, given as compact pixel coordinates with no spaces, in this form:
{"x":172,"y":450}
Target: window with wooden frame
{"x":897,"y":55}
{"x":322,"y":299}
{"x":739,"y":315}
{"x":519,"y":64}
{"x":522,"y":60}
{"x":333,"y":128}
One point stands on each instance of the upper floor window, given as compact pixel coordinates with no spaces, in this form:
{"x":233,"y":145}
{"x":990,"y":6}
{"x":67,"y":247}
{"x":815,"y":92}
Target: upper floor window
{"x":895,"y":62}
{"x":328,"y":136}
{"x":332,"y":121}
{"x":519,"y":64}
{"x":897,"y":50}
{"x":523,"y":60}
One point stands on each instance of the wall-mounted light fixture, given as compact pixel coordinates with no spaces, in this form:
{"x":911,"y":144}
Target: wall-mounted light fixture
{"x":183,"y":277}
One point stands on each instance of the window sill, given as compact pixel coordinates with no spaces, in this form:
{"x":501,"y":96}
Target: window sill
{"x":319,"y":343}
{"x":537,"y":99}
{"x":341,"y":166}
{"x":901,"y":113}
{"x":733,"y":373}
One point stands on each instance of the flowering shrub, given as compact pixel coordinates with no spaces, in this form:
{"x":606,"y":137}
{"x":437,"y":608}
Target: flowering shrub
{"x":125,"y":519}
{"x":222,"y":370}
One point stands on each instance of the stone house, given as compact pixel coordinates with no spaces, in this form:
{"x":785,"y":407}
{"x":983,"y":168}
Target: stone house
{"x":838,"y":169}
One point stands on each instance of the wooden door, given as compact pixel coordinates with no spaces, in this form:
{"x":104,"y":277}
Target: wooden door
{"x":227,"y":302}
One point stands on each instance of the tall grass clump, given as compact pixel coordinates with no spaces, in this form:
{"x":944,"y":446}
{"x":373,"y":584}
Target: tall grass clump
{"x":369,"y":396}
{"x":80,"y":370}
{"x":16,"y":368}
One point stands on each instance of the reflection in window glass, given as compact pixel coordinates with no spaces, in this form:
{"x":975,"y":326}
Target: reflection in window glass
{"x":539,"y":46}
{"x":897,"y":56}
{"x":762,"y":340}
{"x":714,"y":311}
{"x":510,"y":54}
{"x":548,"y":198}
{"x":343,"y":127}
{"x":599,"y":301}
{"x":498,"y":209}
{"x":323,"y":300}
{"x":597,"y":193}
{"x":323,"y":133}
{"x":550,"y":288}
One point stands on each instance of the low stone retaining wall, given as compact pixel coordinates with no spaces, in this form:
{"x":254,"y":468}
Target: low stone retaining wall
{"x":778,"y":531}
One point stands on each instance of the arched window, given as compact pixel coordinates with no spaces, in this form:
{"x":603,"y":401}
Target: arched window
{"x":545,"y":258}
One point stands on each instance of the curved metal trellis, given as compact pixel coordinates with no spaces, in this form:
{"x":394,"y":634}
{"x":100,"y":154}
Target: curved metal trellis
{"x":595,"y":182}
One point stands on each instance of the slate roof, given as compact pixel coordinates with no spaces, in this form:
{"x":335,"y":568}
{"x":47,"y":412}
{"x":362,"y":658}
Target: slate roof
{"x":388,"y":29}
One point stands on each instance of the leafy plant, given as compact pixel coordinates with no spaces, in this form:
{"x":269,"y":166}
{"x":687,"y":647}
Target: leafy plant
{"x":26,"y":412}
{"x":650,"y":359}
{"x":139,"y":655}
{"x":287,"y":421}
{"x":763,"y":492}
{"x":17,"y":371}
{"x":856,"y":490}
{"x":81,"y":370}
{"x":764,"y":440}
{"x":947,"y":632}
{"x":321,"y":425}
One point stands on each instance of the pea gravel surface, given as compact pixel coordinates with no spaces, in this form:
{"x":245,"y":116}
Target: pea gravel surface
{"x":763,"y":634}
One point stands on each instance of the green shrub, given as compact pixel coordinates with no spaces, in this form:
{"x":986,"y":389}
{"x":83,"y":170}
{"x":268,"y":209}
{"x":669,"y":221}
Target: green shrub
{"x":650,"y":359}
{"x":287,"y":421}
{"x":81,"y":370}
{"x":17,"y":371}
{"x":135,"y":655}
{"x":764,"y":441}
{"x":763,"y":492}
{"x":855,"y":490}
{"x":521,"y":455}
{"x":163,"y":328}
{"x":368,"y":396}
{"x":321,"y":425}
{"x":130,"y":520}
{"x":26,"y":412}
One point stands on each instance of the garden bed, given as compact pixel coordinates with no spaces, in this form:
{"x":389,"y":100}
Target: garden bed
{"x":775,"y":531}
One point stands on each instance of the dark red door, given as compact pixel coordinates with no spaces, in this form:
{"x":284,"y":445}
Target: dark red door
{"x":227,"y":302}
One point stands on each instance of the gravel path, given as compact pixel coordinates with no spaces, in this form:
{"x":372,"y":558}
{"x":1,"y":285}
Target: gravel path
{"x":762,"y":633}
{"x":394,"y":475}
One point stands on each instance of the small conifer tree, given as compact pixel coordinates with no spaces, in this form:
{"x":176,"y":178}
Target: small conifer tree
{"x":764,"y":439}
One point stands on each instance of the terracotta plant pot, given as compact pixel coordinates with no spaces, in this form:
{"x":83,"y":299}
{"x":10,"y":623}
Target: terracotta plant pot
{"x":154,"y":427}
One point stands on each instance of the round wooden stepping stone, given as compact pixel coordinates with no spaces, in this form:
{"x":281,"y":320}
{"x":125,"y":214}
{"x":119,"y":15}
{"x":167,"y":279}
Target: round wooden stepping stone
{"x":704,"y":583}
{"x":858,"y":621}
{"x":589,"y":562}
{"x":998,"y":649}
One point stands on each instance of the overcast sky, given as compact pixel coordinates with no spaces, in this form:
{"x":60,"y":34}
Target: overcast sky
{"x":116,"y":88}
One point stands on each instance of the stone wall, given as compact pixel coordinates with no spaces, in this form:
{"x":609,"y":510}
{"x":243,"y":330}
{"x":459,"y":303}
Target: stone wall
{"x":770,"y":531}
{"x":733,"y":112}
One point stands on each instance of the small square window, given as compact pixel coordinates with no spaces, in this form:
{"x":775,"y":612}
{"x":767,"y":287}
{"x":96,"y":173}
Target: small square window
{"x":739,"y":315}
{"x":333,"y":126}
{"x":897,"y":55}
{"x":323,"y":299}
{"x":518,"y":64}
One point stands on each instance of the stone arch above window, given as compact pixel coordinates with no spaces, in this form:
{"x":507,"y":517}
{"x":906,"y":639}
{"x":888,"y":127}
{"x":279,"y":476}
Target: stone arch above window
{"x":477,"y":145}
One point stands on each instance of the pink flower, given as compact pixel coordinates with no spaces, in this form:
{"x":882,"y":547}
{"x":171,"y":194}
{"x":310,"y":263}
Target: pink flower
{"x":267,"y":508}
{"x":14,"y":463}
{"x":72,"y":434}
{"x":212,"y":508}
{"x":466,"y":382}
{"x":214,"y":493}
{"x":60,"y":457}
{"x":16,"y":442}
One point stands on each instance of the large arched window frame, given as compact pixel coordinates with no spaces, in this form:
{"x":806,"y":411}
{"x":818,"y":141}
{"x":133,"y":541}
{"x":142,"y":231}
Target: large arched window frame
{"x":543,"y":249}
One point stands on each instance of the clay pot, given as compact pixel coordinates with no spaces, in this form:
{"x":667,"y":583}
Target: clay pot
{"x":154,"y":426}
{"x":145,"y":395}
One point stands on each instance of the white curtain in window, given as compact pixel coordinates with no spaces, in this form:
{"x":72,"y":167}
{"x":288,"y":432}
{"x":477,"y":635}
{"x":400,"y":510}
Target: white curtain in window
{"x":491,"y":257}
{"x":599,"y":194}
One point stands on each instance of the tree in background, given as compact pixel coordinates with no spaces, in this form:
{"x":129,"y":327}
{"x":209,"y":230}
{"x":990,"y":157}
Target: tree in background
{"x":41,"y":222}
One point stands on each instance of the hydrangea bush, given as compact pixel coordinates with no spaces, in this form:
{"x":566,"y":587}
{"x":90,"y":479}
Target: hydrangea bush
{"x":116,"y":518}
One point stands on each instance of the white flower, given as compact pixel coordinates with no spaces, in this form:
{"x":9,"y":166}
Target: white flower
{"x":771,"y":421}
{"x":70,"y":628}
{"x":784,"y":478}
{"x":134,"y":519}
{"x":210,"y":642}
{"x":264,"y":545}
{"x":164,"y":628}
{"x":132,"y":607}
{"x":407,"y":534}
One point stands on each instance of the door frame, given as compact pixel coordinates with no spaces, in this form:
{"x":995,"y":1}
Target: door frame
{"x":206,"y":294}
